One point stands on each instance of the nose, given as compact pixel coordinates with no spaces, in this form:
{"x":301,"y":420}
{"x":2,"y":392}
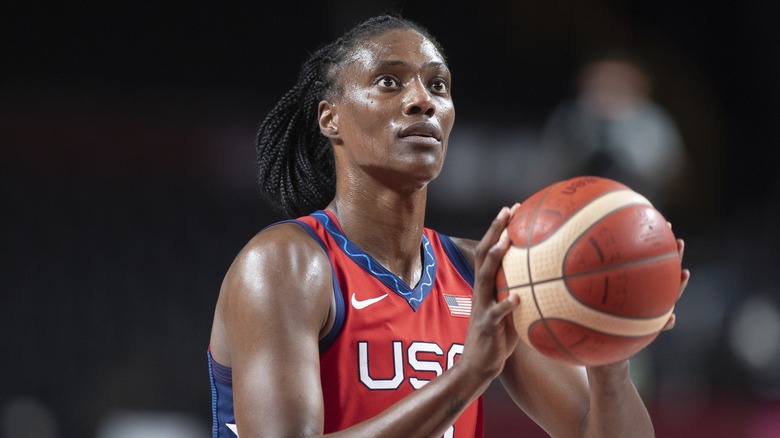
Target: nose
{"x":419,"y":100}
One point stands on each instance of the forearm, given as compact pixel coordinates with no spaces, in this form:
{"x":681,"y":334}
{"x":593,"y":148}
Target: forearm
{"x":616,"y":409}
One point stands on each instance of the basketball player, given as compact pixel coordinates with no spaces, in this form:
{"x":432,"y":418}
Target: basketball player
{"x":356,"y":318}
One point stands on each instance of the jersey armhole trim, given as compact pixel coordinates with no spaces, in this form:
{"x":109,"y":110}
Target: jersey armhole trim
{"x":338,"y":323}
{"x":213,"y":384}
{"x":457,"y":258}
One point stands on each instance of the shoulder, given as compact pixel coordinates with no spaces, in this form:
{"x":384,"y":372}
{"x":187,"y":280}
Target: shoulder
{"x":283,"y":255}
{"x":282,"y":244}
{"x":468,"y":247}
{"x":281,"y":276}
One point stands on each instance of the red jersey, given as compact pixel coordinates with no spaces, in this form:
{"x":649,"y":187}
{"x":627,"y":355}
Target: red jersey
{"x":388,"y":339}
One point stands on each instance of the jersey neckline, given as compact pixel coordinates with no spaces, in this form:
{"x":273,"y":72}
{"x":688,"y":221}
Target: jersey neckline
{"x":414,"y":296}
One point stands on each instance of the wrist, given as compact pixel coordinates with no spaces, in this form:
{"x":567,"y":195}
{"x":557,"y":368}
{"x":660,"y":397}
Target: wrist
{"x":472,"y":380}
{"x":610,"y":375}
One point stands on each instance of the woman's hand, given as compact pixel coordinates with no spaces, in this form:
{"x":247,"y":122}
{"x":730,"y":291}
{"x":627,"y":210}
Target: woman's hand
{"x":685,"y":276}
{"x":490,"y":339}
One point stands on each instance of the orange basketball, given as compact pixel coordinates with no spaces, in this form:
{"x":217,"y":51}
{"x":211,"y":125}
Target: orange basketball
{"x":596,"y":268}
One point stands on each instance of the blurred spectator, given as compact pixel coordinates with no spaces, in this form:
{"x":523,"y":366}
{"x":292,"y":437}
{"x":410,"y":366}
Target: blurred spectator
{"x":613,"y":128}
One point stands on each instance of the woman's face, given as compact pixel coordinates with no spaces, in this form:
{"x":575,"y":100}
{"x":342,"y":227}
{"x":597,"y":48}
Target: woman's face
{"x":395,"y":111}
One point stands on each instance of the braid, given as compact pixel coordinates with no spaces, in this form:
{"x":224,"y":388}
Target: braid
{"x":295,"y":162}
{"x":296,"y":166}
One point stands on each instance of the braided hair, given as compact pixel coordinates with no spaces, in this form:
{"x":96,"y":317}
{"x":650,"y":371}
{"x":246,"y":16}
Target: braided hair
{"x":296,"y":168}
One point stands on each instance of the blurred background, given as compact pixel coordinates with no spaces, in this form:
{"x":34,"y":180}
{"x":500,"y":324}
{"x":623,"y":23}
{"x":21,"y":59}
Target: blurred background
{"x":127,"y":185}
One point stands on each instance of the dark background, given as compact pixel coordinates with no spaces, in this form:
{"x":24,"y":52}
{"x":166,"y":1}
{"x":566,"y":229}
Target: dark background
{"x":126,"y":160}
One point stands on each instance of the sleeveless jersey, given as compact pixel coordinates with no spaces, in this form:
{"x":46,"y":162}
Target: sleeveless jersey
{"x":388,"y":339}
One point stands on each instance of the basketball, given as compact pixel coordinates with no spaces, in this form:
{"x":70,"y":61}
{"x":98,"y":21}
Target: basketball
{"x":597,"y":270}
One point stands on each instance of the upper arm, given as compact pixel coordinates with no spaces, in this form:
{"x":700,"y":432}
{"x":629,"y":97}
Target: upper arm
{"x":274,"y":305}
{"x":554,"y":394}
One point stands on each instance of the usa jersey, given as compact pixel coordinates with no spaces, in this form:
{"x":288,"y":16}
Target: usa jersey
{"x":388,"y":339}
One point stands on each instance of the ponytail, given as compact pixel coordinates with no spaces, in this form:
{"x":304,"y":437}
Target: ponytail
{"x":296,"y":168}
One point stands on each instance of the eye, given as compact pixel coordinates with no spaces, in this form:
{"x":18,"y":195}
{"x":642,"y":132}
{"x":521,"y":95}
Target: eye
{"x":388,"y":82}
{"x":440,"y":86}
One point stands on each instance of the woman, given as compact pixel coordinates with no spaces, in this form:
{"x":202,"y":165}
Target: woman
{"x":355,"y":317}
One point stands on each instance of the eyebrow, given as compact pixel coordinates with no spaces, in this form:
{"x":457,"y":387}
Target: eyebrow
{"x":393,"y":62}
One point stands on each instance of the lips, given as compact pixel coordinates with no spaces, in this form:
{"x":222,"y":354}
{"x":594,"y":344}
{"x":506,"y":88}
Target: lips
{"x":422,"y":129}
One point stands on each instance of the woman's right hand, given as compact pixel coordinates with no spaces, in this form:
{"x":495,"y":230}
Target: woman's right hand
{"x":490,"y":339}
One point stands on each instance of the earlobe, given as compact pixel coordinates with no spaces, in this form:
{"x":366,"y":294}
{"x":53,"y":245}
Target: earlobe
{"x":328,"y":119}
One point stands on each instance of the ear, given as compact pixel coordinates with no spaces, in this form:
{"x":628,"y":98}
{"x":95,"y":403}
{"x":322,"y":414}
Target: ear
{"x":328,"y":119}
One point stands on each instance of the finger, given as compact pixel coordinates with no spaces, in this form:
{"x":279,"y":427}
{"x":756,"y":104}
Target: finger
{"x":506,"y":306}
{"x":685,"y":276}
{"x":498,"y":224}
{"x":680,"y":248}
{"x":488,"y":268}
{"x":670,"y":323}
{"x":492,"y":234}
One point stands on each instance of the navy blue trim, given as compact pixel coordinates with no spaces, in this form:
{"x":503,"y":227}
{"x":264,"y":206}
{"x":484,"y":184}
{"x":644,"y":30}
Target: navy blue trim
{"x":341,"y":312}
{"x":214,"y":425}
{"x":414,"y":296}
{"x":457,"y":258}
{"x":221,"y":373}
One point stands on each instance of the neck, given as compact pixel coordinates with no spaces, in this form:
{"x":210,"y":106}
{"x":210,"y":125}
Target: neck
{"x":387,"y":226}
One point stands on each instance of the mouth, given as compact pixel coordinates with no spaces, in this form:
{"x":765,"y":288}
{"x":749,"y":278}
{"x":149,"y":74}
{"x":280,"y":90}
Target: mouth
{"x":422,"y":129}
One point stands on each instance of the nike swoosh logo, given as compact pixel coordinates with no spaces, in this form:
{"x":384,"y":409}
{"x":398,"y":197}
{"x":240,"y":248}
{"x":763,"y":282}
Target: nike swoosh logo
{"x":362,"y":304}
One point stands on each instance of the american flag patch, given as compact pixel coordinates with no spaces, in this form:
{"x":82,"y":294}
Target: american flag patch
{"x":459,"y":306}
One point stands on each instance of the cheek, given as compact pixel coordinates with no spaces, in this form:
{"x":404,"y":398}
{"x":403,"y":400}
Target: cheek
{"x":372,"y":119}
{"x":365,"y":128}
{"x":447,"y":118}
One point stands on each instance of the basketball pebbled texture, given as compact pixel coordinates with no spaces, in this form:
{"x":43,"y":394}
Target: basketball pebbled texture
{"x":596,"y":268}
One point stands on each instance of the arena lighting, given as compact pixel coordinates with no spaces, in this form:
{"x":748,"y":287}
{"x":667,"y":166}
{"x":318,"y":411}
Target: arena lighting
{"x":754,"y":334}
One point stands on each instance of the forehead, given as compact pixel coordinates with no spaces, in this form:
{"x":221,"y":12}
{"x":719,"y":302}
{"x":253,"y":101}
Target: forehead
{"x":404,"y":45}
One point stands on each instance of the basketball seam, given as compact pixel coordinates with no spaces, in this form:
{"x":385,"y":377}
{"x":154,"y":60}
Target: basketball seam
{"x":565,"y":278}
{"x":573,"y":214}
{"x":594,"y":271}
{"x":595,"y":330}
{"x":532,"y":285}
